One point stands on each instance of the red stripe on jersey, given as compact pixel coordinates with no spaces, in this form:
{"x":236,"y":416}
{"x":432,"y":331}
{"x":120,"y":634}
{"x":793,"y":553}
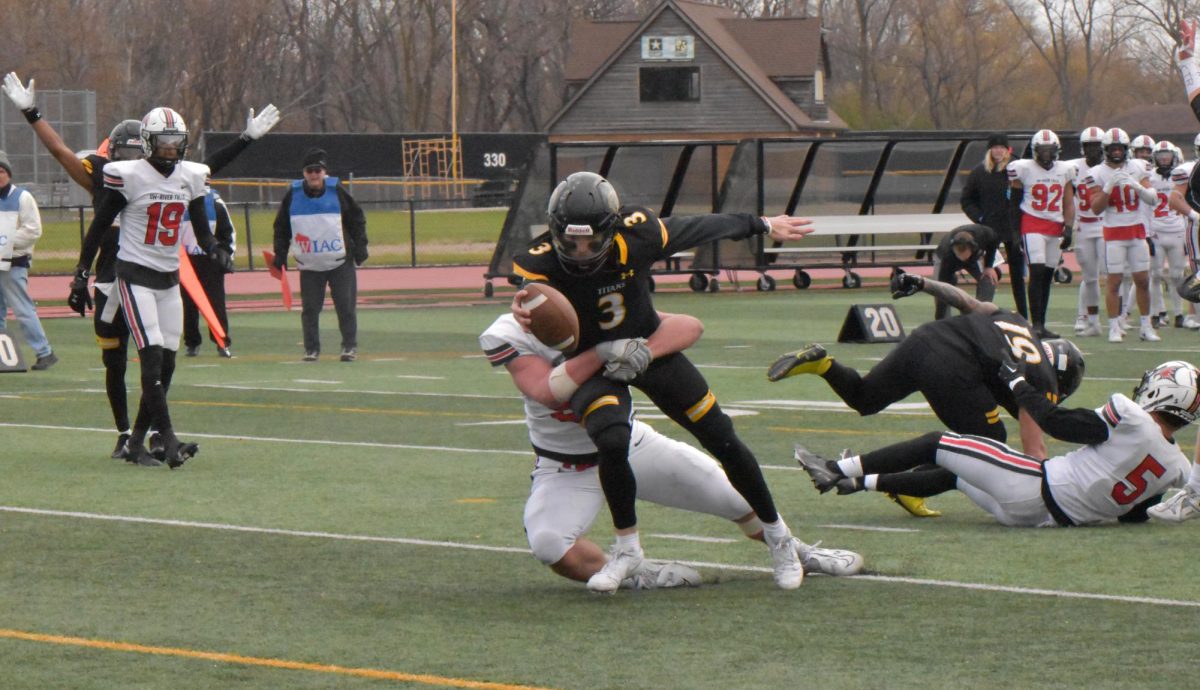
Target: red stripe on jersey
{"x":1032,"y":225}
{"x":1124,"y":232}
{"x":992,"y":451}
{"x":496,"y":357}
{"x":1110,"y":414}
{"x":113,"y":181}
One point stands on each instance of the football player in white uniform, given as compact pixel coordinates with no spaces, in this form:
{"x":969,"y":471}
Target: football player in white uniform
{"x":566,"y":497}
{"x":1130,"y":458}
{"x":1167,"y":230}
{"x":1089,"y":237}
{"x":151,"y":195}
{"x":1043,"y":200}
{"x":1124,"y":188}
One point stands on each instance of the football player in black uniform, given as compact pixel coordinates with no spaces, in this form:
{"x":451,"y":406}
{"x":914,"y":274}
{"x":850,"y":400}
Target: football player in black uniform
{"x":953,"y":363}
{"x":599,"y":254}
{"x":124,"y":143}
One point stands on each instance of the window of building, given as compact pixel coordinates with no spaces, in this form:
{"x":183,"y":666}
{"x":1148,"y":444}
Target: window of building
{"x":668,"y":84}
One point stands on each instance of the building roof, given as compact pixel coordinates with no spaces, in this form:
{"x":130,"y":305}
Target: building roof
{"x":755,"y":49}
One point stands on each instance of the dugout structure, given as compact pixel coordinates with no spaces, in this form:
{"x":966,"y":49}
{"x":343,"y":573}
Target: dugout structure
{"x":912,"y":175}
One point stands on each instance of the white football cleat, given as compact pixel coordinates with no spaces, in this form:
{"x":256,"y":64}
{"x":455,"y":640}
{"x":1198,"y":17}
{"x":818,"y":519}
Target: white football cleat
{"x":1149,"y":335}
{"x":1091,"y":330}
{"x":663,"y":576}
{"x":1184,"y":505}
{"x":789,"y":573}
{"x":838,"y":562}
{"x":1190,"y":323}
{"x":622,"y":563}
{"x":1115,"y":334}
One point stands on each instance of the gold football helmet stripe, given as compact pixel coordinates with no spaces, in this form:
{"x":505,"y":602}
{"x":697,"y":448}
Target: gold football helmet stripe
{"x":622,"y":248}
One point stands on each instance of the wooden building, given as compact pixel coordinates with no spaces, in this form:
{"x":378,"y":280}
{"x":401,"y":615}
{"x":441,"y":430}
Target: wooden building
{"x":697,"y":71}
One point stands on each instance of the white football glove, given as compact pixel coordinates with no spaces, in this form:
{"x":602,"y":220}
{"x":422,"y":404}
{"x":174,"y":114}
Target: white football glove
{"x":21,"y":96}
{"x":257,"y":126}
{"x":625,"y":358}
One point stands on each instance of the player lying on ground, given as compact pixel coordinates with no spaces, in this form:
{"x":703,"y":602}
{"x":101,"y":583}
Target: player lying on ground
{"x":952,"y":363}
{"x":1129,"y":460}
{"x":566,"y":496}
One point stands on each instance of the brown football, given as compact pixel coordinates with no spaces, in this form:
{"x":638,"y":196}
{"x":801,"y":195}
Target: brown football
{"x":555,"y":322}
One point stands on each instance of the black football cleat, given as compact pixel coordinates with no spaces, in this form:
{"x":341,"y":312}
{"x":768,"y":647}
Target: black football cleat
{"x":140,"y":456}
{"x":120,"y":451}
{"x":179,"y":452}
{"x":824,"y":473}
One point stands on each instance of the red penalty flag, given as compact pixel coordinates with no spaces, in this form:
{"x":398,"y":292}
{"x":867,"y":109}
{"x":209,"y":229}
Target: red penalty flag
{"x":279,"y":274}
{"x":189,"y":281}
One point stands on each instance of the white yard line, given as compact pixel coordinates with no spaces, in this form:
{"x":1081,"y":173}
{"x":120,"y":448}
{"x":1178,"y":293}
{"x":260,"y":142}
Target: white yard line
{"x":1032,"y":591}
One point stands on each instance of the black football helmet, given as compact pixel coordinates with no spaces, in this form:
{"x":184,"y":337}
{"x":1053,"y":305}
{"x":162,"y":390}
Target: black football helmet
{"x":125,"y":141}
{"x":1068,"y":365}
{"x":584,"y":216}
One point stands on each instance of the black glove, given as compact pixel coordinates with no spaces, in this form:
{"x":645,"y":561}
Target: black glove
{"x":1150,"y":244}
{"x":905,"y":284}
{"x":1011,"y":371}
{"x":221,"y":257}
{"x":1067,"y":236}
{"x":361,"y":257}
{"x":80,"y":301}
{"x":280,"y":261}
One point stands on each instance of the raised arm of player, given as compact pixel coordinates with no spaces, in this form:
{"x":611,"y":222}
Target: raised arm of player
{"x":1186,"y":59}
{"x":905,"y":284}
{"x":22,"y":97}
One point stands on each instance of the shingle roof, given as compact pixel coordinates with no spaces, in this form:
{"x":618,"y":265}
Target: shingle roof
{"x":754,"y":48}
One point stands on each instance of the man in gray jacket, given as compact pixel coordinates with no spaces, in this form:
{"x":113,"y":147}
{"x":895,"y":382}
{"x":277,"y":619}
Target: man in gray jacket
{"x":20,"y":228}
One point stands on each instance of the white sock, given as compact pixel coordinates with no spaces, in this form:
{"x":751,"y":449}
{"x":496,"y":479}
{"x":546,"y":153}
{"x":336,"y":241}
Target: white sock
{"x":776,"y":532}
{"x":1145,"y":321}
{"x":629,"y":542}
{"x":870,"y":481}
{"x":1094,"y":319}
{"x":851,"y":466}
{"x":1190,"y":71}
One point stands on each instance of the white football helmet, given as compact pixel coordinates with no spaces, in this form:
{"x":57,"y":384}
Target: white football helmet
{"x":1114,"y":138}
{"x":1196,"y":146}
{"x":1095,"y":135}
{"x":1170,"y":388}
{"x":1142,"y":147}
{"x":1045,"y":147}
{"x":1165,"y":155}
{"x":164,"y":127}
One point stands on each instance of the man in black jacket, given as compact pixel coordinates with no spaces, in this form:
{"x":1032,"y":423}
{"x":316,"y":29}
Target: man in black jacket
{"x":985,"y":200}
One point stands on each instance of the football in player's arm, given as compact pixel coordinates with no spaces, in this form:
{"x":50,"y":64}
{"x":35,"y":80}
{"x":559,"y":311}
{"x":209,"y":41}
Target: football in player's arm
{"x":600,"y":254}
{"x":565,"y":497}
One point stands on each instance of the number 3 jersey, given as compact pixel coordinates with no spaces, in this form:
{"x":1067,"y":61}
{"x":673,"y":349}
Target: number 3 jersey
{"x":154,"y":210}
{"x":1105,"y":480}
{"x":614,"y":301}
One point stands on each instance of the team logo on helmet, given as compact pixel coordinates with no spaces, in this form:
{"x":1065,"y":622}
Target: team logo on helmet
{"x":1170,"y":388}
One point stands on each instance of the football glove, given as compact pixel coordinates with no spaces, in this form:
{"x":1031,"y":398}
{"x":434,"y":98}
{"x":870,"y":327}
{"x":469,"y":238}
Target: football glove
{"x":221,"y":257}
{"x":905,"y":284}
{"x":625,"y":358}
{"x":360,"y":257}
{"x":21,"y":96}
{"x":257,"y":126}
{"x":1011,"y":372}
{"x":1067,"y":236}
{"x":79,"y":300}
